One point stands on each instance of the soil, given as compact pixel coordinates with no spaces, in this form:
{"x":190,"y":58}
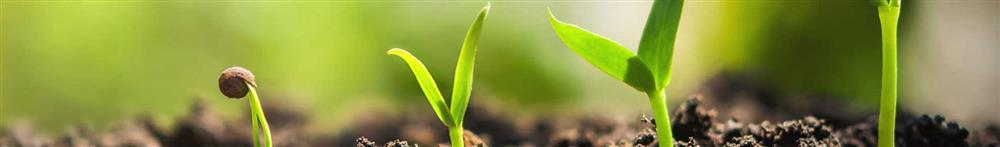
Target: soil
{"x":731,"y":111}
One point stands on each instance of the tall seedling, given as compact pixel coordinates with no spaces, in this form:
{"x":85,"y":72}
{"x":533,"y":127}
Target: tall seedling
{"x":451,"y":116}
{"x":649,"y":71}
{"x":888,"y":15}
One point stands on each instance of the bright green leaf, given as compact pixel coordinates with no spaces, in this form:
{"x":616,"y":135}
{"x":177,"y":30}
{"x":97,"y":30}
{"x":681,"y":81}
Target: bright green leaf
{"x":657,"y":45}
{"x":887,"y":3}
{"x":463,"y":70}
{"x":426,"y":84}
{"x":608,"y":56}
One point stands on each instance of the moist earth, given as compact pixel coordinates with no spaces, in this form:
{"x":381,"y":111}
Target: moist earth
{"x":731,"y":111}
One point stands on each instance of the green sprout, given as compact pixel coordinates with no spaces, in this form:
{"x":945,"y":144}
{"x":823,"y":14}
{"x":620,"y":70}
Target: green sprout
{"x":451,"y":116}
{"x":649,"y":71}
{"x":888,"y":15}
{"x":236,"y":82}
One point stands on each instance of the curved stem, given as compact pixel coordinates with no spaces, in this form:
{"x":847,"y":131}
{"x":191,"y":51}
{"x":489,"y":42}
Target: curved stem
{"x":254,"y":124}
{"x":456,"y":133}
{"x":259,"y":112}
{"x":266,"y":129}
{"x":662,"y":118}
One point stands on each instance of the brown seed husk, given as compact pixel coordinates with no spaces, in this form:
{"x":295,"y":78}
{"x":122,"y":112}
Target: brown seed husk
{"x":233,"y":81}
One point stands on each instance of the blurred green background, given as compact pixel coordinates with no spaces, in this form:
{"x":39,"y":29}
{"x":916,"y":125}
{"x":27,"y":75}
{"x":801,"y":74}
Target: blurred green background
{"x":95,"y":62}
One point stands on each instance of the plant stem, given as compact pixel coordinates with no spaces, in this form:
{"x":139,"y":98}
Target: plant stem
{"x":661,"y":116}
{"x":254,"y":124}
{"x":259,"y":112}
{"x":456,"y":133}
{"x":889,"y":17}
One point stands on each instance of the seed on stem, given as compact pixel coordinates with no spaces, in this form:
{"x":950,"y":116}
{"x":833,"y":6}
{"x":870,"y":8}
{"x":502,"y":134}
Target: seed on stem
{"x":233,"y":82}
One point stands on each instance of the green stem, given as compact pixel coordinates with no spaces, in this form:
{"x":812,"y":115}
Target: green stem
{"x":456,"y":133}
{"x":889,"y":17}
{"x":259,"y":112}
{"x":266,"y":129}
{"x":254,"y":124}
{"x":662,"y":118}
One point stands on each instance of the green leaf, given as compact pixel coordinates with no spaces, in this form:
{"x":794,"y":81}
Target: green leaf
{"x":426,"y":84}
{"x":886,"y":3}
{"x":464,"y":68}
{"x":608,"y":56}
{"x":657,"y":45}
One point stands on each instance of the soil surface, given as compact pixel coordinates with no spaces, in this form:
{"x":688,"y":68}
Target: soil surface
{"x":730,"y":111}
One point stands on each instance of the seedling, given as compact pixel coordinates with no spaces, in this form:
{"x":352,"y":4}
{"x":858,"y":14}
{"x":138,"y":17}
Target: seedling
{"x":236,"y":82}
{"x":450,"y":116}
{"x":649,"y":71}
{"x":888,"y":15}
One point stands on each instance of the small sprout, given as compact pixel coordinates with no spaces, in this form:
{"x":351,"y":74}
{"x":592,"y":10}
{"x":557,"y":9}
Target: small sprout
{"x":452,"y":116}
{"x":888,"y":15}
{"x":237,"y":82}
{"x":649,"y":71}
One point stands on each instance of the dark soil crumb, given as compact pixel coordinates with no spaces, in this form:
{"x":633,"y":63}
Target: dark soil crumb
{"x":806,"y":132}
{"x":745,"y":141}
{"x":398,"y":143}
{"x":860,"y":135}
{"x":690,"y":122}
{"x":646,"y":137}
{"x":690,"y":143}
{"x":911,"y":130}
{"x":693,"y":127}
{"x":365,"y":142}
{"x":930,"y":131}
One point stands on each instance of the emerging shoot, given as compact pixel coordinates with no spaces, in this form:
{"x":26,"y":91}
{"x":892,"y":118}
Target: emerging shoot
{"x":236,"y":82}
{"x":451,"y":116}
{"x":888,"y":15}
{"x":649,"y":71}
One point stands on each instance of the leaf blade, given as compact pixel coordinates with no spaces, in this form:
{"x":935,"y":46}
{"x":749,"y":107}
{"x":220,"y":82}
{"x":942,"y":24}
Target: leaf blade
{"x":427,"y":84}
{"x":464,"y":67}
{"x":608,"y":56}
{"x":656,"y":48}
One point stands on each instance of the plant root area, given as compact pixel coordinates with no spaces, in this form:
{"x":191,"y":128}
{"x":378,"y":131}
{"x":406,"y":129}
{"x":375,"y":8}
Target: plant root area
{"x":730,"y":111}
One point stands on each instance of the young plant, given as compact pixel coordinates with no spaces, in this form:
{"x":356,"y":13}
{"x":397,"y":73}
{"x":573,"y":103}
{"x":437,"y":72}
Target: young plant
{"x":649,"y":71}
{"x":451,"y":116}
{"x":888,"y":15}
{"x":236,"y":82}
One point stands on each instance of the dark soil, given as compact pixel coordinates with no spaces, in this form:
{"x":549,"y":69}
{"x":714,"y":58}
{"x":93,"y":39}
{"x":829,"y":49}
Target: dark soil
{"x":693,"y":126}
{"x":365,"y":142}
{"x":921,"y":130}
{"x":732,"y":111}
